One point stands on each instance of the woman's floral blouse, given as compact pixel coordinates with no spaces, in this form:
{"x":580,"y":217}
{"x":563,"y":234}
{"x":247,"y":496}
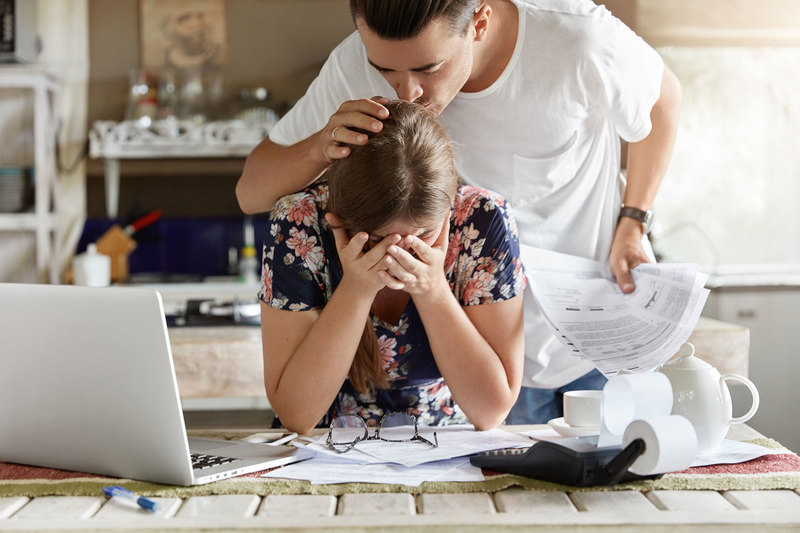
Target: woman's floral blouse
{"x":301,"y":271}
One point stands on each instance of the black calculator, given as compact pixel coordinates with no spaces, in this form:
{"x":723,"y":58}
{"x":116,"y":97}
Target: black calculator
{"x":569,"y":461}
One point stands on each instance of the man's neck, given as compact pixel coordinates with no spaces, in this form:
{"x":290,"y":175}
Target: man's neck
{"x":491,"y":56}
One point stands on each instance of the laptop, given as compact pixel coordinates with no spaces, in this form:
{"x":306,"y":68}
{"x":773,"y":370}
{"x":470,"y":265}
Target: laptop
{"x":87,"y":383}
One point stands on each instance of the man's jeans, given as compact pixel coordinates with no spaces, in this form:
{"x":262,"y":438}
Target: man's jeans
{"x":538,"y":406}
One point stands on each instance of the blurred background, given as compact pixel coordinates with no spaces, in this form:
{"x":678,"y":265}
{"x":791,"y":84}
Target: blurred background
{"x":205,"y":79}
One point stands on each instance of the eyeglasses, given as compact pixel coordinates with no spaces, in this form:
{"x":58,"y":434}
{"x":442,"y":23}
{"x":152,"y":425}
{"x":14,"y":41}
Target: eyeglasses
{"x":348,"y":430}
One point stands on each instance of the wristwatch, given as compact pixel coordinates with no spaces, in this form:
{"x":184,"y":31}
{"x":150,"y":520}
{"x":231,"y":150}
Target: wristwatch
{"x":645,"y":217}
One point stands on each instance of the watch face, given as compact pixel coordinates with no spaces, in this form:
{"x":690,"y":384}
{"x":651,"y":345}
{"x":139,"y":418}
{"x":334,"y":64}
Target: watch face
{"x":648,"y":221}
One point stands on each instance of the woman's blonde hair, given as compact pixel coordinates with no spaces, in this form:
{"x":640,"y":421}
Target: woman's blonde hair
{"x":405,"y":172}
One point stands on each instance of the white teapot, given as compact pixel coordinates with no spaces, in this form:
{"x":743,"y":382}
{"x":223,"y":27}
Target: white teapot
{"x":701,"y":395}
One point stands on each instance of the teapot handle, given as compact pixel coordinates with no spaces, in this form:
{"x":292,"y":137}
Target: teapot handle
{"x":753,"y":391}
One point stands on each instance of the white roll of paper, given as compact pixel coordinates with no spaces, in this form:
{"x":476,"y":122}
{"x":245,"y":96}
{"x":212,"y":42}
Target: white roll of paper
{"x":629,"y":397}
{"x":670,"y":444}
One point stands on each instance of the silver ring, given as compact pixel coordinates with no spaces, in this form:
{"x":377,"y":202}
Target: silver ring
{"x":333,"y":134}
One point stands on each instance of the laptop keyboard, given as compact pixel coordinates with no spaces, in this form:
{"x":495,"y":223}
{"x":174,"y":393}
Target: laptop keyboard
{"x":201,"y":461}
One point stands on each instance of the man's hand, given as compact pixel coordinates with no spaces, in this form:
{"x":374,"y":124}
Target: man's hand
{"x":362,"y":269}
{"x":341,"y":131}
{"x":418,"y":268}
{"x":627,"y":252}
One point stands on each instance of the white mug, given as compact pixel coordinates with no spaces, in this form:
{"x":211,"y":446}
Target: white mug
{"x":582,"y":408}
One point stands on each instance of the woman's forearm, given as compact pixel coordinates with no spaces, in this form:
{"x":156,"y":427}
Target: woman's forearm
{"x":316,"y":369}
{"x":483,"y":379}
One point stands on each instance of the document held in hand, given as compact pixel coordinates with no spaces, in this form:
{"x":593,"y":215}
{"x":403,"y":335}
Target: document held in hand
{"x":590,"y":315}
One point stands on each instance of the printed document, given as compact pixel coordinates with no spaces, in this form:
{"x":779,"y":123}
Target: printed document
{"x":404,"y":463}
{"x":592,"y":317}
{"x":455,"y":440}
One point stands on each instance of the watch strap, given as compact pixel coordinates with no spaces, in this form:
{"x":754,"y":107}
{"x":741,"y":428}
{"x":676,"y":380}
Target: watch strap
{"x":640,"y":215}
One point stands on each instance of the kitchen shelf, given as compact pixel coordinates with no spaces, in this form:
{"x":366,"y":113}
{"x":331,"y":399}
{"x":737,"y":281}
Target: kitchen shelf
{"x":43,"y":220}
{"x":25,"y":221}
{"x":114,"y":141}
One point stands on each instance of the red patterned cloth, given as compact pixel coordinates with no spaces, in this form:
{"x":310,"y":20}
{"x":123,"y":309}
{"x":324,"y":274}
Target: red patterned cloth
{"x":767,"y":464}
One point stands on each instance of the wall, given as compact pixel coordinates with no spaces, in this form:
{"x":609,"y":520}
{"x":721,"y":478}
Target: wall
{"x":728,"y":197}
{"x":277,"y":44}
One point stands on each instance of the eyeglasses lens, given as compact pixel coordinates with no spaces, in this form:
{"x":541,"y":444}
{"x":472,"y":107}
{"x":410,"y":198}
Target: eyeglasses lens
{"x":347,"y":429}
{"x":397,"y":427}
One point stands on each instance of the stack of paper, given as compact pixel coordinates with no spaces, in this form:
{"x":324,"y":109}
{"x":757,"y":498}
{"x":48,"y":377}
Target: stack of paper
{"x":405,"y":463}
{"x":591,"y":316}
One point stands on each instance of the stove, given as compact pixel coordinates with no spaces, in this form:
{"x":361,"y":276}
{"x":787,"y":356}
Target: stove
{"x":213,"y":302}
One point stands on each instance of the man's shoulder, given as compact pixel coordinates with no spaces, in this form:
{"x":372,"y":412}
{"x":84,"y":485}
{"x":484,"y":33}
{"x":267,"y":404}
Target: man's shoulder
{"x":566,"y":9}
{"x":350,"y":48}
{"x":573,"y":30}
{"x":581,"y":20}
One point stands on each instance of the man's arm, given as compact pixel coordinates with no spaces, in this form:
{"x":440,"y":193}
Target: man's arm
{"x":648,"y":160}
{"x":273,"y":170}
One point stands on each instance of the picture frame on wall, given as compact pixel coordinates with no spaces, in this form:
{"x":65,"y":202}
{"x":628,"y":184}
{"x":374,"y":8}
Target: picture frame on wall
{"x":183,"y":34}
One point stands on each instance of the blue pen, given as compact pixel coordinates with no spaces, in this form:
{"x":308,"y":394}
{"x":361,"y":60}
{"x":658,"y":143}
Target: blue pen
{"x":144,"y":503}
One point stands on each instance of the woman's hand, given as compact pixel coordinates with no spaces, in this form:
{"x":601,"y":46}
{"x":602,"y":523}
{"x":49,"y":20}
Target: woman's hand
{"x":339,"y":132}
{"x":361,"y":269}
{"x":418,"y":268}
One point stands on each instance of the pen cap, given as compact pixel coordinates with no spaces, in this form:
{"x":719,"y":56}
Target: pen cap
{"x":109,"y":491}
{"x":148,"y":504}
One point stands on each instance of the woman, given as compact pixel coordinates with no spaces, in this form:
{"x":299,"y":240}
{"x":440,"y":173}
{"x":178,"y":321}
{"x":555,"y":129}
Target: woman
{"x":392,"y":288}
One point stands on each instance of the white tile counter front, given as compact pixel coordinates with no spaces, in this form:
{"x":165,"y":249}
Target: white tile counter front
{"x":218,"y":362}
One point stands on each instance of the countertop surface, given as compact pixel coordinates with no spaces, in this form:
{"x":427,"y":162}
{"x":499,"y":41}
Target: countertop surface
{"x":509,"y":509}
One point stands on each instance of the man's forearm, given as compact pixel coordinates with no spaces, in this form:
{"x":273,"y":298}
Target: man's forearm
{"x":272,"y":171}
{"x":647,"y":163}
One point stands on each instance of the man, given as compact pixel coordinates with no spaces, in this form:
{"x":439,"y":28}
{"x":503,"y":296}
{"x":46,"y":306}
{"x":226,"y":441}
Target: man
{"x":536,"y":95}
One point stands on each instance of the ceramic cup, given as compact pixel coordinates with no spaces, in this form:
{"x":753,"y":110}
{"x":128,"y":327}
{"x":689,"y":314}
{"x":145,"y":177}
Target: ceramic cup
{"x":582,"y":408}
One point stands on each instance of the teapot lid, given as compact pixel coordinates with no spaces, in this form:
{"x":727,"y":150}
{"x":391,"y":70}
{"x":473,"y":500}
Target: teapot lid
{"x":687,"y":360}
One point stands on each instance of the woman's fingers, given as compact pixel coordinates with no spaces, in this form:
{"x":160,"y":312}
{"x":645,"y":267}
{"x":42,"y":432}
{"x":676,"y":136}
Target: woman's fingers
{"x":347,"y":247}
{"x":405,"y":264}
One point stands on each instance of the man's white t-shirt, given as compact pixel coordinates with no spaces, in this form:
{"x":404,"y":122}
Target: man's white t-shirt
{"x":545,"y":135}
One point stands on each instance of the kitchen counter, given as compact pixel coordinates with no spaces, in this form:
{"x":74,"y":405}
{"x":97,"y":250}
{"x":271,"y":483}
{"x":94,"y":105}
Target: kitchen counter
{"x":508,"y":509}
{"x":218,"y":362}
{"x":758,"y":276}
{"x":226,"y":361}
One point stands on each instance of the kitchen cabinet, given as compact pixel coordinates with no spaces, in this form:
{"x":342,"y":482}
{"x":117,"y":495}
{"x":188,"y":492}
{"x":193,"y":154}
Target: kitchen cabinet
{"x":765,"y":299}
{"x":42,"y":221}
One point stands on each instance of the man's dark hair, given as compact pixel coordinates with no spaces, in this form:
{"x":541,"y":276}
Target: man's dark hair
{"x":403,"y":19}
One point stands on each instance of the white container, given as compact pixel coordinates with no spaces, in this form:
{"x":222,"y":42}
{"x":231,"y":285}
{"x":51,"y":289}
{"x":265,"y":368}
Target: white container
{"x":92,"y":269}
{"x":701,"y":394}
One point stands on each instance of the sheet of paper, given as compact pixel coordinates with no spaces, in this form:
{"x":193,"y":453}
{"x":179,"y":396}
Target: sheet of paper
{"x":542,"y":433}
{"x":590,"y":315}
{"x":454,"y":441}
{"x":732,"y":452}
{"x":728,"y":452}
{"x":324,"y":469}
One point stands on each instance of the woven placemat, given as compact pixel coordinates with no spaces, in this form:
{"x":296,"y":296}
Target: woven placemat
{"x":775,"y":471}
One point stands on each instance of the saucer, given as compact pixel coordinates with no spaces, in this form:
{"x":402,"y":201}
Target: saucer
{"x":565,"y":430}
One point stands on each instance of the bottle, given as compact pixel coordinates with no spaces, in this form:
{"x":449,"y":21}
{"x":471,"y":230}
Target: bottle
{"x":248,"y":265}
{"x":248,"y":262}
{"x":92,"y":269}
